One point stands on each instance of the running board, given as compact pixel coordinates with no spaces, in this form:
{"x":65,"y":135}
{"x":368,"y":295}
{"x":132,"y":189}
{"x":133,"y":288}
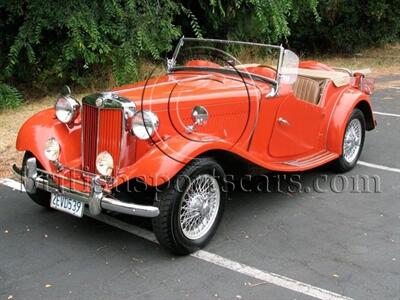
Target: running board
{"x":311,"y":161}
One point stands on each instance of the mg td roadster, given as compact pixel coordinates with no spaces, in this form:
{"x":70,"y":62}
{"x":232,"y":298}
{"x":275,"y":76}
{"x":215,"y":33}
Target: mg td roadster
{"x":177,"y":135}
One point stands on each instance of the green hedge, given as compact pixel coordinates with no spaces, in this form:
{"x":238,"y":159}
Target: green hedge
{"x":347,"y":26}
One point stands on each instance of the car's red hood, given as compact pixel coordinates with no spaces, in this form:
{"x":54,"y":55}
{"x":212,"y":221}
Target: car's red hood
{"x":189,"y":86}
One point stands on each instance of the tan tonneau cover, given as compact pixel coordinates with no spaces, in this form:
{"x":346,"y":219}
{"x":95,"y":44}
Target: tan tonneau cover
{"x":338,"y":78}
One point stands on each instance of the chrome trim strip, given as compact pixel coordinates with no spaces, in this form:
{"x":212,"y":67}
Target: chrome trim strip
{"x":109,"y":100}
{"x":129,"y":208}
{"x":171,"y":62}
{"x":97,"y":138}
{"x":278,"y":72}
{"x":81,"y":182}
{"x":121,"y":140}
{"x":82,"y":122}
{"x":231,"y":42}
{"x":313,"y":159}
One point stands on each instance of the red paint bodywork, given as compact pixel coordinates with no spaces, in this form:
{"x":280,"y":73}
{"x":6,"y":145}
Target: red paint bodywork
{"x":242,"y":121}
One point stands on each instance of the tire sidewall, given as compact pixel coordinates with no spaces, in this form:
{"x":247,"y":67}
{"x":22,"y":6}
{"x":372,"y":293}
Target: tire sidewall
{"x":356,"y":114}
{"x":180,"y":185}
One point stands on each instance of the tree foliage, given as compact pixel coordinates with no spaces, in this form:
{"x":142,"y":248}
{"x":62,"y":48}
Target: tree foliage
{"x":66,"y":39}
{"x":254,"y":20}
{"x":347,"y":26}
{"x":10,"y":97}
{"x":49,"y":43}
{"x":55,"y":41}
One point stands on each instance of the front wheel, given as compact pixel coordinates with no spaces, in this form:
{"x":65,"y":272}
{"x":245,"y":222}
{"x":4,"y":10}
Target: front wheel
{"x":191,"y":207}
{"x":353,"y":142}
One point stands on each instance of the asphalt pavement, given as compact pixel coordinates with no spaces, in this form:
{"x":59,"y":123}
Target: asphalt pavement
{"x":345,"y":242}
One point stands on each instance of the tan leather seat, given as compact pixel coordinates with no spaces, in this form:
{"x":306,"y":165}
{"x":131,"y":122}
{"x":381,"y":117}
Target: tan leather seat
{"x":307,"y":89}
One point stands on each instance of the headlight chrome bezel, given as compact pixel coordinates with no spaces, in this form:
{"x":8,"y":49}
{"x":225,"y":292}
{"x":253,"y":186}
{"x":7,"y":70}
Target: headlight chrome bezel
{"x":52,"y":149}
{"x":145,"y":124}
{"x":69,"y":106}
{"x":105,"y":164}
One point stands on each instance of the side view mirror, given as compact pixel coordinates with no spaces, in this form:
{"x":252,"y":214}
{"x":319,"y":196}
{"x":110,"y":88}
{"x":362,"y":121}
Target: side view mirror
{"x":289,"y":68}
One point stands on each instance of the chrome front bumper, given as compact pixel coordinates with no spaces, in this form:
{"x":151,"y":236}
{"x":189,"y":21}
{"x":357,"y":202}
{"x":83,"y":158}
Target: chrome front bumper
{"x":96,"y":200}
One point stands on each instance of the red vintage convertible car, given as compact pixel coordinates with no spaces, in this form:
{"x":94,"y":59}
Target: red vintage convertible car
{"x":177,"y":134}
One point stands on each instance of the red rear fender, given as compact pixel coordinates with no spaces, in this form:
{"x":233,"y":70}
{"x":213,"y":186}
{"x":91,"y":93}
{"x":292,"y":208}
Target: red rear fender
{"x":349,"y":100}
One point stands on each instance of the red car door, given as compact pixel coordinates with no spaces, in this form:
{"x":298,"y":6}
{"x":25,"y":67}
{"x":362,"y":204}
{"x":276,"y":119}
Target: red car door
{"x":297,"y":128}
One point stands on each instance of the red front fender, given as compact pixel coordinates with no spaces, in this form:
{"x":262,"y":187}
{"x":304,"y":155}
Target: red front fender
{"x":39,"y":128}
{"x":167,"y":158}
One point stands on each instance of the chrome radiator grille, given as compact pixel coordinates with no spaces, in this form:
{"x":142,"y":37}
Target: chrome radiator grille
{"x":101,"y":131}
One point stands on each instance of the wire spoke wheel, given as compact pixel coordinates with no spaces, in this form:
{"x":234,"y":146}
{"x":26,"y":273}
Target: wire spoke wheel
{"x":199,"y":206}
{"x":191,"y":209}
{"x":352,"y":140}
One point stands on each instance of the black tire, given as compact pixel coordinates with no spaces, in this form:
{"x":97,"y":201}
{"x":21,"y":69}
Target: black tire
{"x":341,"y":165}
{"x":166,"y":226}
{"x":41,"y":197}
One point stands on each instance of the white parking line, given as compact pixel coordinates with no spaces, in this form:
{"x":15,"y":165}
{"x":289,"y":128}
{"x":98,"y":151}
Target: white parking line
{"x":272,"y":278}
{"x":226,"y":263}
{"x":380,"y":167}
{"x":386,"y":114}
{"x":15,"y":185}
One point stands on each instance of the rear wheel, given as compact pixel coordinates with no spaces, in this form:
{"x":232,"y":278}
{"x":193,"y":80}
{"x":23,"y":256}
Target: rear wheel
{"x":41,"y":197}
{"x":353,"y":142}
{"x":191,"y":207}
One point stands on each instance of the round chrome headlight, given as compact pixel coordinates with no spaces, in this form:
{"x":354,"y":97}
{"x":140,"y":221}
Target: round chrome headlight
{"x":52,"y":149}
{"x":145,"y":124}
{"x":67,"y":109}
{"x":105,"y":163}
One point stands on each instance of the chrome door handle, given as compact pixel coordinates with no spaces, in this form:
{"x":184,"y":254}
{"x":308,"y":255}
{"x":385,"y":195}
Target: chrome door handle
{"x":282,"y":121}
